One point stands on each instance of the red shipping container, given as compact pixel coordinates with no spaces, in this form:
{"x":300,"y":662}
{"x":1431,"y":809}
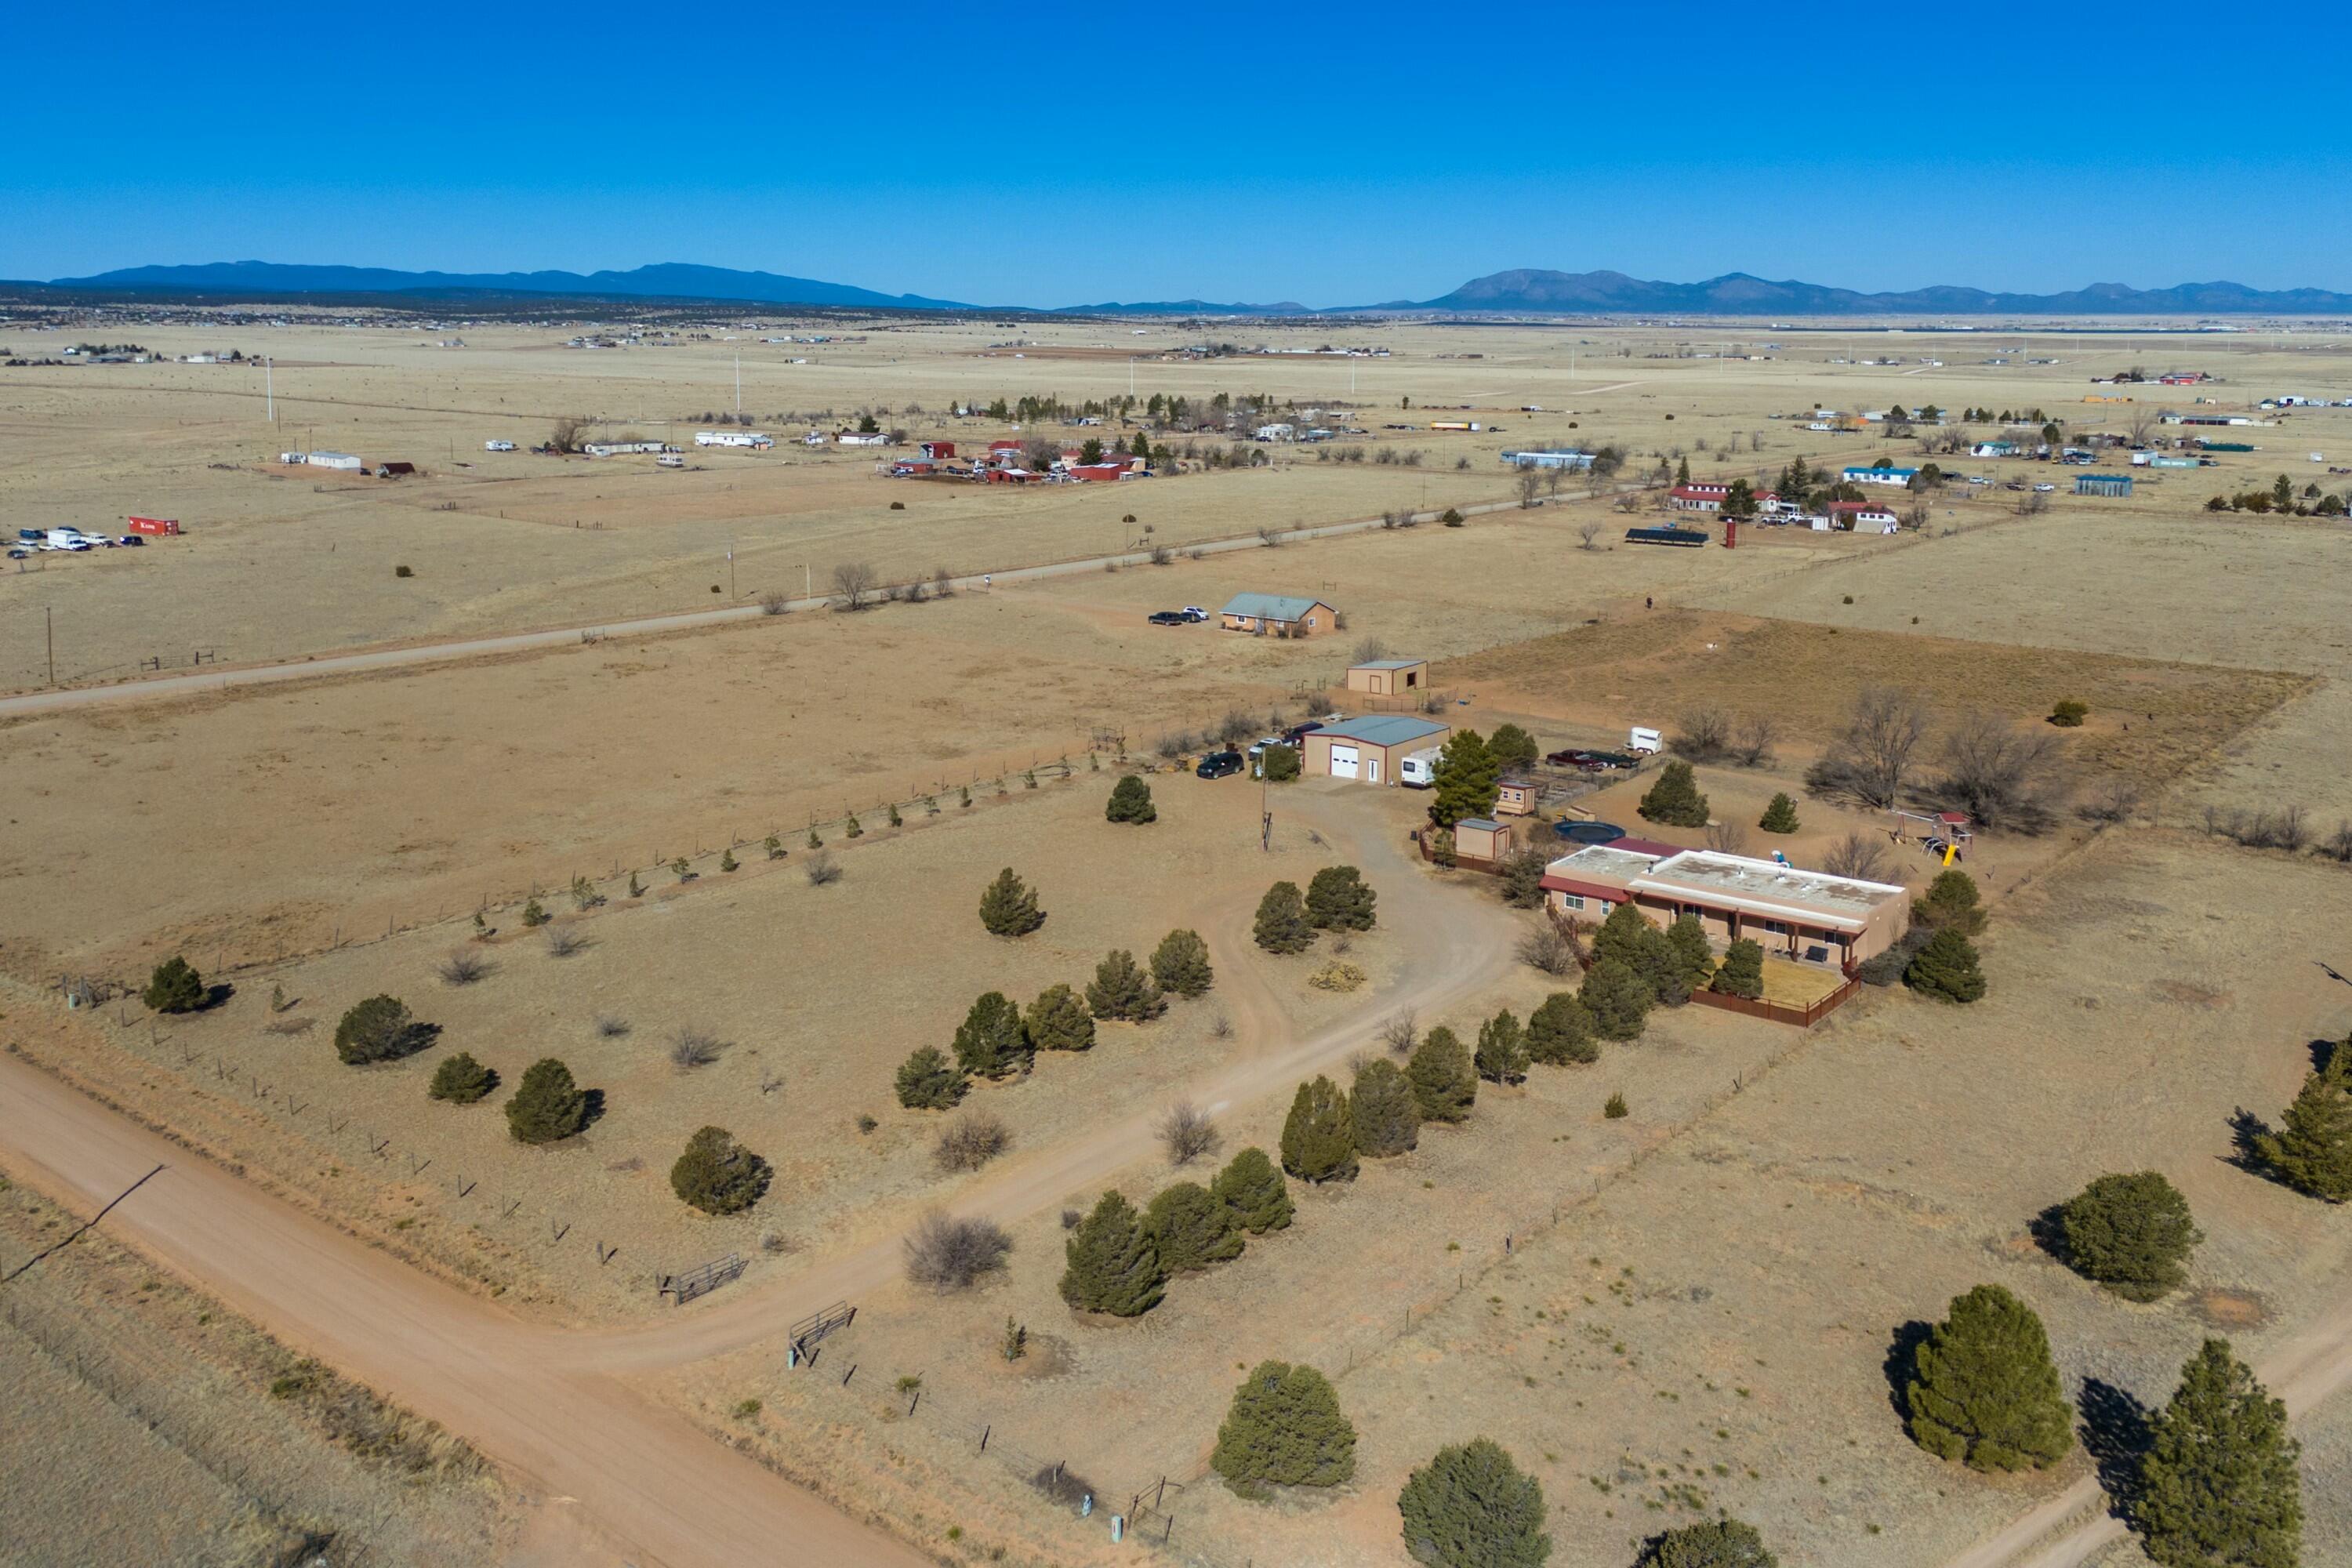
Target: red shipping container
{"x":154,"y":525}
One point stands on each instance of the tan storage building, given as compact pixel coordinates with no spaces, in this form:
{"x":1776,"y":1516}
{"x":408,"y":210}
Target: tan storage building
{"x":1389,"y":676}
{"x":1481,"y":838}
{"x":1517,"y":797}
{"x":1810,"y":916}
{"x":1278,"y":615}
{"x":1368,"y":749}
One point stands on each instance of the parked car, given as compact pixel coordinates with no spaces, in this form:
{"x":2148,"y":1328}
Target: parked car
{"x":1168,"y":618}
{"x":1297,"y":734}
{"x":2045,"y":488}
{"x":131,"y":539}
{"x":1194,"y":613}
{"x":19,"y":552}
{"x":498,"y":446}
{"x":1219,"y":764}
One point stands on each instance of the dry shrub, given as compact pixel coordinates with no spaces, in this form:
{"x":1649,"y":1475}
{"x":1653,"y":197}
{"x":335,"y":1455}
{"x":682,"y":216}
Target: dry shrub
{"x":611,"y":1026}
{"x":692,"y":1047}
{"x":462,"y":967}
{"x":1752,"y":746}
{"x":1704,"y":735}
{"x":2005,"y":778}
{"x":970,"y":1142}
{"x":1857,"y":854}
{"x":773,"y":603}
{"x":2338,"y":846}
{"x":1188,"y":1132}
{"x":820,"y":869}
{"x":1337,"y":977}
{"x":1727,"y":837}
{"x":1545,"y":949}
{"x":2114,"y":801}
{"x":951,"y":1254}
{"x":1402,"y":1032}
{"x":1870,"y":759}
{"x":2284,"y":828}
{"x":563,"y":941}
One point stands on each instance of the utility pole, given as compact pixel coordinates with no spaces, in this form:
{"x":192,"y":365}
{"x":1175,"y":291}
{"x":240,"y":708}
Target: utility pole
{"x":738,"y":386}
{"x":808,"y":586}
{"x":269,"y":387}
{"x":49,"y":620}
{"x":730,"y":571}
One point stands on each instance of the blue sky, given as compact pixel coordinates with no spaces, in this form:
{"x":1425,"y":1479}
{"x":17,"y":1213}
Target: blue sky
{"x":1050,"y":155}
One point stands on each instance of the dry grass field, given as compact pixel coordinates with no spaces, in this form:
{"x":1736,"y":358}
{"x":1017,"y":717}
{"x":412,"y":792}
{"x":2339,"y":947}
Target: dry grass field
{"x":1695,"y":1302}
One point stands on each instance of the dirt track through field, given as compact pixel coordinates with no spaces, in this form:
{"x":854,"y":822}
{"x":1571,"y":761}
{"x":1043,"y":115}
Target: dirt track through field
{"x":552,"y":1406}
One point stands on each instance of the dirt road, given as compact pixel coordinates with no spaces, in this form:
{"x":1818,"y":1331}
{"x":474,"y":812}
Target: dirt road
{"x":550,"y":1404}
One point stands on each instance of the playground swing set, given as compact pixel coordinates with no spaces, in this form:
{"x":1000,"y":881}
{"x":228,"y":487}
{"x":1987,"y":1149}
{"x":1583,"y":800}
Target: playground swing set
{"x":1944,"y":835}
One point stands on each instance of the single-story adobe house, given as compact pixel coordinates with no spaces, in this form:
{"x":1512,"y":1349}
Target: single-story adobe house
{"x":1388,"y":677}
{"x":1278,"y":615}
{"x":1369,"y":748}
{"x":1810,"y":916}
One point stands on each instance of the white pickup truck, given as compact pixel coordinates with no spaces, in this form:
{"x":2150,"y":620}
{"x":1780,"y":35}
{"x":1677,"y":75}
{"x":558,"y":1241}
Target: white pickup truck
{"x":498,"y":446}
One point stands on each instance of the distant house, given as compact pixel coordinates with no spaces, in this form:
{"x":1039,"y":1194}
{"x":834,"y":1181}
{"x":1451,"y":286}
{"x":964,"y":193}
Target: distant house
{"x":334,"y":460}
{"x":1277,"y":432}
{"x":1810,"y":916}
{"x":1277,"y":614}
{"x":2102,"y":484}
{"x":1898,"y":479}
{"x":1113,"y":469}
{"x":395,"y":471}
{"x":1993,"y":449}
{"x":1699,"y":497}
{"x":938,"y":450}
{"x":1549,"y":458}
{"x":860,"y":438}
{"x":1862,"y":517}
{"x":1368,"y":749}
{"x":1388,"y":677}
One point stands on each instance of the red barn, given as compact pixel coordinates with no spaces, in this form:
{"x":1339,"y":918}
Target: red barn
{"x":939,"y":450}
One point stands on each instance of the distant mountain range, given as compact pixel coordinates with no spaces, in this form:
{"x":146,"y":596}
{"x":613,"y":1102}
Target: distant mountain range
{"x":1523,"y":291}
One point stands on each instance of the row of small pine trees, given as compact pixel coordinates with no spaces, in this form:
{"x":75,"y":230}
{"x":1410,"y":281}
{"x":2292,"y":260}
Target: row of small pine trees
{"x":1119,"y":1260}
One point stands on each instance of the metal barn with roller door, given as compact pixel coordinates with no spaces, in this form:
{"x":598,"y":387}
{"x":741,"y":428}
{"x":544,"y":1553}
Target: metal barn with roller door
{"x":1368,"y":750}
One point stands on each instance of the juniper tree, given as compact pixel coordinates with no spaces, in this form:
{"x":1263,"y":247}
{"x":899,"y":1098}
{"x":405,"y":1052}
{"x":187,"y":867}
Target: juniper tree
{"x":1559,"y":1031}
{"x":1318,"y":1137}
{"x":1192,"y":1229}
{"x":1781,"y":816}
{"x":1470,"y":1506}
{"x":174,"y":987}
{"x":1442,"y":1078}
{"x":1620,"y":935}
{"x":1675,"y":799}
{"x":1465,"y":780}
{"x":1283,"y":1429}
{"x":1984,"y":1390}
{"x":1950,"y":903}
{"x":2131,"y":1234}
{"x":1337,"y":899}
{"x":1121,"y":990}
{"x":1688,"y":935}
{"x":1511,"y":746}
{"x":1179,"y":965}
{"x":1719,"y":1543}
{"x":991,"y":1042}
{"x":1254,"y":1193}
{"x":1384,"y":1110}
{"x":462,"y":1081}
{"x":929,"y":1082}
{"x":2312,"y":1152}
{"x":1617,"y":1000}
{"x":1946,"y":968}
{"x":547,"y":1107}
{"x":1058,"y":1021}
{"x":1742,"y":973}
{"x":379,"y":1029}
{"x":1009,"y":908}
{"x":1282,"y":920}
{"x":2219,"y":1483}
{"x":719,"y":1175}
{"x":1502,"y":1054}
{"x":1113,"y":1266}
{"x":1131,"y":801}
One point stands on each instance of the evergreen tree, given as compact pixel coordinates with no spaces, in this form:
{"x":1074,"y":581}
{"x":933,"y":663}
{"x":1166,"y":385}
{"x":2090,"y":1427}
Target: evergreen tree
{"x":174,"y":987}
{"x":1008,"y":908}
{"x":1318,"y":1137}
{"x":1278,"y":765}
{"x":1131,"y":801}
{"x":379,"y":1029}
{"x":1984,"y":1390}
{"x":719,"y":1175}
{"x":1192,"y":1229}
{"x":1113,"y":1266}
{"x":547,"y":1107}
{"x":2219,"y":1484}
{"x":1512,"y":747}
{"x":1058,"y":1021}
{"x":991,"y":1042}
{"x":1254,"y":1193}
{"x":1781,"y":816}
{"x":1121,"y":990}
{"x":1675,"y":799}
{"x":1620,"y":935}
{"x":1466,"y":781}
{"x":1682,"y":471}
{"x":1720,"y":1543}
{"x":462,"y":1081}
{"x":1442,"y":1078}
{"x":2313,"y":1151}
{"x":1946,"y":968}
{"x":1559,"y":1031}
{"x":1616,"y":999}
{"x":1285,"y":1429}
{"x":1662,"y":965}
{"x":2131,"y":1234}
{"x":1502,"y":1054}
{"x":1688,"y":935}
{"x":1337,"y":899}
{"x":1742,"y":973}
{"x":1522,"y":879}
{"x":1384,"y":1110}
{"x":1181,"y":964}
{"x":929,"y":1082}
{"x":1282,"y":920}
{"x":1470,"y":1506}
{"x":1949,"y":904}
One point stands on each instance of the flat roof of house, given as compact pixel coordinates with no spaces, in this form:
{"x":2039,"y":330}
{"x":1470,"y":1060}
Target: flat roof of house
{"x":1482,"y":823}
{"x":1766,"y":883}
{"x":1389,"y":664}
{"x":1269,"y":606}
{"x":1606,"y":862}
{"x":1384,"y":730}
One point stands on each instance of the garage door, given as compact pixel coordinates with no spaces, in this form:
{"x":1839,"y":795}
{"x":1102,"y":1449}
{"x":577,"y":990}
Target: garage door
{"x":1343,"y":762}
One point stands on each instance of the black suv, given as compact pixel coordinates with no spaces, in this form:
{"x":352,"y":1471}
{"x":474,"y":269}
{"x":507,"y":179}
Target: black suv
{"x":1219,"y":764}
{"x":1170,"y":618}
